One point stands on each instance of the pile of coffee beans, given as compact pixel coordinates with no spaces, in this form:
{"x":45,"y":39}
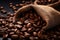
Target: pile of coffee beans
{"x":16,"y":6}
{"x":27,"y":27}
{"x":31,"y":23}
{"x":45,"y":2}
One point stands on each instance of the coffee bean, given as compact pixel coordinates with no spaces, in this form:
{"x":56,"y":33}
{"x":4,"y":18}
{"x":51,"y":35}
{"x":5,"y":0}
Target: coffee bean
{"x":26,"y":34}
{"x":38,"y":23}
{"x":22,"y":37}
{"x":1,"y":7}
{"x":29,"y":29}
{"x":22,"y":20}
{"x":3,"y":11}
{"x":23,"y":29}
{"x":34,"y":25}
{"x":22,"y":5}
{"x":17,"y":5}
{"x":14,"y":8}
{"x":18,"y":32}
{"x":11,"y":25}
{"x":10,"y":3}
{"x":4,"y":22}
{"x":28,"y":25}
{"x":14,"y":37}
{"x":26,"y":21}
{"x":31,"y":38}
{"x":35,"y":33}
{"x":5,"y":35}
{"x":31,"y":21}
{"x":23,"y":1}
{"x":9,"y":14}
{"x":19,"y":22}
{"x":10,"y":6}
{"x":18,"y":26}
{"x":11,"y":33}
{"x":54,"y":36}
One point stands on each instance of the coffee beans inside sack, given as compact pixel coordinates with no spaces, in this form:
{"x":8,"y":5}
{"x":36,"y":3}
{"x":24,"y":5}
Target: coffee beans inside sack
{"x":31,"y":23}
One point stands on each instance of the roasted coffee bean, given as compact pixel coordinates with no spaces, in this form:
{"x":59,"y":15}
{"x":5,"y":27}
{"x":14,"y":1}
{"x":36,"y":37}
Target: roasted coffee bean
{"x":11,"y":33}
{"x":26,"y":34}
{"x":34,"y":25}
{"x":24,"y":29}
{"x":14,"y":8}
{"x":5,"y":35}
{"x":35,"y":33}
{"x":17,"y":5}
{"x":10,"y":3}
{"x":22,"y":5}
{"x":22,"y":36}
{"x":23,"y":1}
{"x":28,"y":25}
{"x":36,"y":38}
{"x":19,"y":22}
{"x":1,"y":7}
{"x":31,"y":38}
{"x":18,"y":26}
{"x":29,"y":29}
{"x":14,"y":37}
{"x":10,"y":6}
{"x":4,"y":22}
{"x":3,"y":11}
{"x":55,"y":36}
{"x":26,"y":21}
{"x":18,"y":32}
{"x":9,"y":14}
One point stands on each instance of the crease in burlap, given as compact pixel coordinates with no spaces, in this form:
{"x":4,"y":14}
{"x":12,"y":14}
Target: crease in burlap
{"x":50,"y":15}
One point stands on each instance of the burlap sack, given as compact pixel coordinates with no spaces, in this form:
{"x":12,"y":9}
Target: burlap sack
{"x":50,"y":15}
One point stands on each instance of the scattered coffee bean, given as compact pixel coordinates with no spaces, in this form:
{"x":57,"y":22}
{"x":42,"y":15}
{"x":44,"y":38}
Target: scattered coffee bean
{"x":14,"y":8}
{"x":3,"y":11}
{"x":11,"y":6}
{"x":22,"y":5}
{"x":17,"y":5}
{"x":10,"y":3}
{"x":1,"y":7}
